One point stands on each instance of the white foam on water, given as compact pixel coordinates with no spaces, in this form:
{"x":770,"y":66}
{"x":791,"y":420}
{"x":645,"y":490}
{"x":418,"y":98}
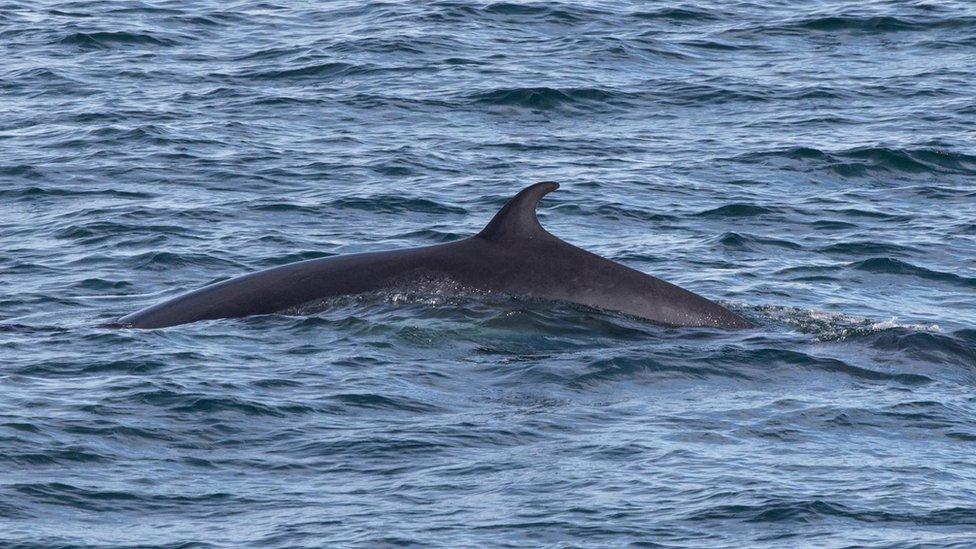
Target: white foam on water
{"x":832,"y":326}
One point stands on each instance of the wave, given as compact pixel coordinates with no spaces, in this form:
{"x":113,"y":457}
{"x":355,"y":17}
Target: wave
{"x":392,"y":204}
{"x":553,"y":13}
{"x":957,"y":348}
{"x":742,"y":241}
{"x":859,"y":161}
{"x":679,"y":14}
{"x":114,"y":39}
{"x":496,"y":323}
{"x":100,"y":231}
{"x":385,"y":204}
{"x":790,"y":360}
{"x":774,"y":510}
{"x":154,"y":261}
{"x":887,"y":265}
{"x":828,"y":326}
{"x":36,"y":192}
{"x":873,"y":23}
{"x":867,"y":247}
{"x":370,"y":401}
{"x":101,"y":284}
{"x":618,"y":368}
{"x":736,"y":210}
{"x":543,"y":98}
{"x":94,"y":500}
{"x":684,"y":93}
{"x":327,"y":69}
{"x":430,"y":235}
{"x":832,"y":225}
{"x":612,"y":211}
{"x":144,"y":8}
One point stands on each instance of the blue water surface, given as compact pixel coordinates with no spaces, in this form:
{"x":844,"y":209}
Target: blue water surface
{"x":811,"y":165}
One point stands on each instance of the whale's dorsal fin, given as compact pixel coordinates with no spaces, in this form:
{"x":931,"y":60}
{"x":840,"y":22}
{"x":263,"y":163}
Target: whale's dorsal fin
{"x":517,"y":219}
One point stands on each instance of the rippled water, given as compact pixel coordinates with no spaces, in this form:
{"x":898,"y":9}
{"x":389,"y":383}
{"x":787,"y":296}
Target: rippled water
{"x":811,"y":166}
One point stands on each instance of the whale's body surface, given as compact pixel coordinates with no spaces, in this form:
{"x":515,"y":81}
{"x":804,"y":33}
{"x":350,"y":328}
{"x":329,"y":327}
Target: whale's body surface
{"x":513,"y":255}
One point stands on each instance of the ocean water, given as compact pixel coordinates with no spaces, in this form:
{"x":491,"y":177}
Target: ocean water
{"x":811,"y":165}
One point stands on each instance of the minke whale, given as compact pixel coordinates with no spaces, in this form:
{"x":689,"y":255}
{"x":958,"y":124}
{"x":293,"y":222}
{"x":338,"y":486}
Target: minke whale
{"x":513,"y":255}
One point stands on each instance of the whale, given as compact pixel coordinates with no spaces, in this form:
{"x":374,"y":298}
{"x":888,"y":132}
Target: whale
{"x":512,"y":256}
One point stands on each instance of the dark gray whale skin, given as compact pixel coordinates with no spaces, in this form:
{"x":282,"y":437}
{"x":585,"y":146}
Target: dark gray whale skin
{"x":513,"y":255}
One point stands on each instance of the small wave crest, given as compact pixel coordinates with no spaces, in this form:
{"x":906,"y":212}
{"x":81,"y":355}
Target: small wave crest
{"x":737,"y":210}
{"x":827,"y":326}
{"x":545,"y":98}
{"x":887,"y":265}
{"x":860,"y":161}
{"x":115,"y":39}
{"x":873,"y":23}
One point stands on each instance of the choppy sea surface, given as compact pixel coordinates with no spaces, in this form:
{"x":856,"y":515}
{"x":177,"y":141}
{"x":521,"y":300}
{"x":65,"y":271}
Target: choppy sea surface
{"x":811,"y":165}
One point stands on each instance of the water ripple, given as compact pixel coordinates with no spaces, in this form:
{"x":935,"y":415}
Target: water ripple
{"x":809,"y":166}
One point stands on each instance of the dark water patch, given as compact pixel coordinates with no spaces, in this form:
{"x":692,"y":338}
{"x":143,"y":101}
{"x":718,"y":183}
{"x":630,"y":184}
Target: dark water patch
{"x":785,"y":359}
{"x":887,"y":265}
{"x":60,"y":367}
{"x":507,"y":8}
{"x":677,"y":14}
{"x":269,"y":54}
{"x":861,"y":161}
{"x":101,"y":284}
{"x":866,"y":247}
{"x":62,"y":13}
{"x":915,"y":160}
{"x":804,"y":272}
{"x":878,"y":23}
{"x":54,"y":81}
{"x":966,"y":335}
{"x":392,"y":204}
{"x":683,"y":93}
{"x":35,"y":192}
{"x":832,"y":225}
{"x":141,"y":8}
{"x":543,"y":98}
{"x":540,"y":321}
{"x":820,"y":93}
{"x":100,"y":231}
{"x":93,"y":499}
{"x":20,"y":170}
{"x":742,"y":241}
{"x":203,"y":404}
{"x":156,"y":261}
{"x":616,"y":369}
{"x":736,"y":210}
{"x":219,"y":93}
{"x":772,"y":511}
{"x":288,"y":207}
{"x":310,"y":71}
{"x":868,"y":213}
{"x":114,"y":39}
{"x":565,"y":14}
{"x":430,"y":235}
{"x":463,"y":61}
{"x":281,"y":101}
{"x":53,"y":456}
{"x":713,"y":45}
{"x":955,"y":349}
{"x":380,"y":402}
{"x":936,"y":192}
{"x":802,"y":511}
{"x":612,"y":211}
